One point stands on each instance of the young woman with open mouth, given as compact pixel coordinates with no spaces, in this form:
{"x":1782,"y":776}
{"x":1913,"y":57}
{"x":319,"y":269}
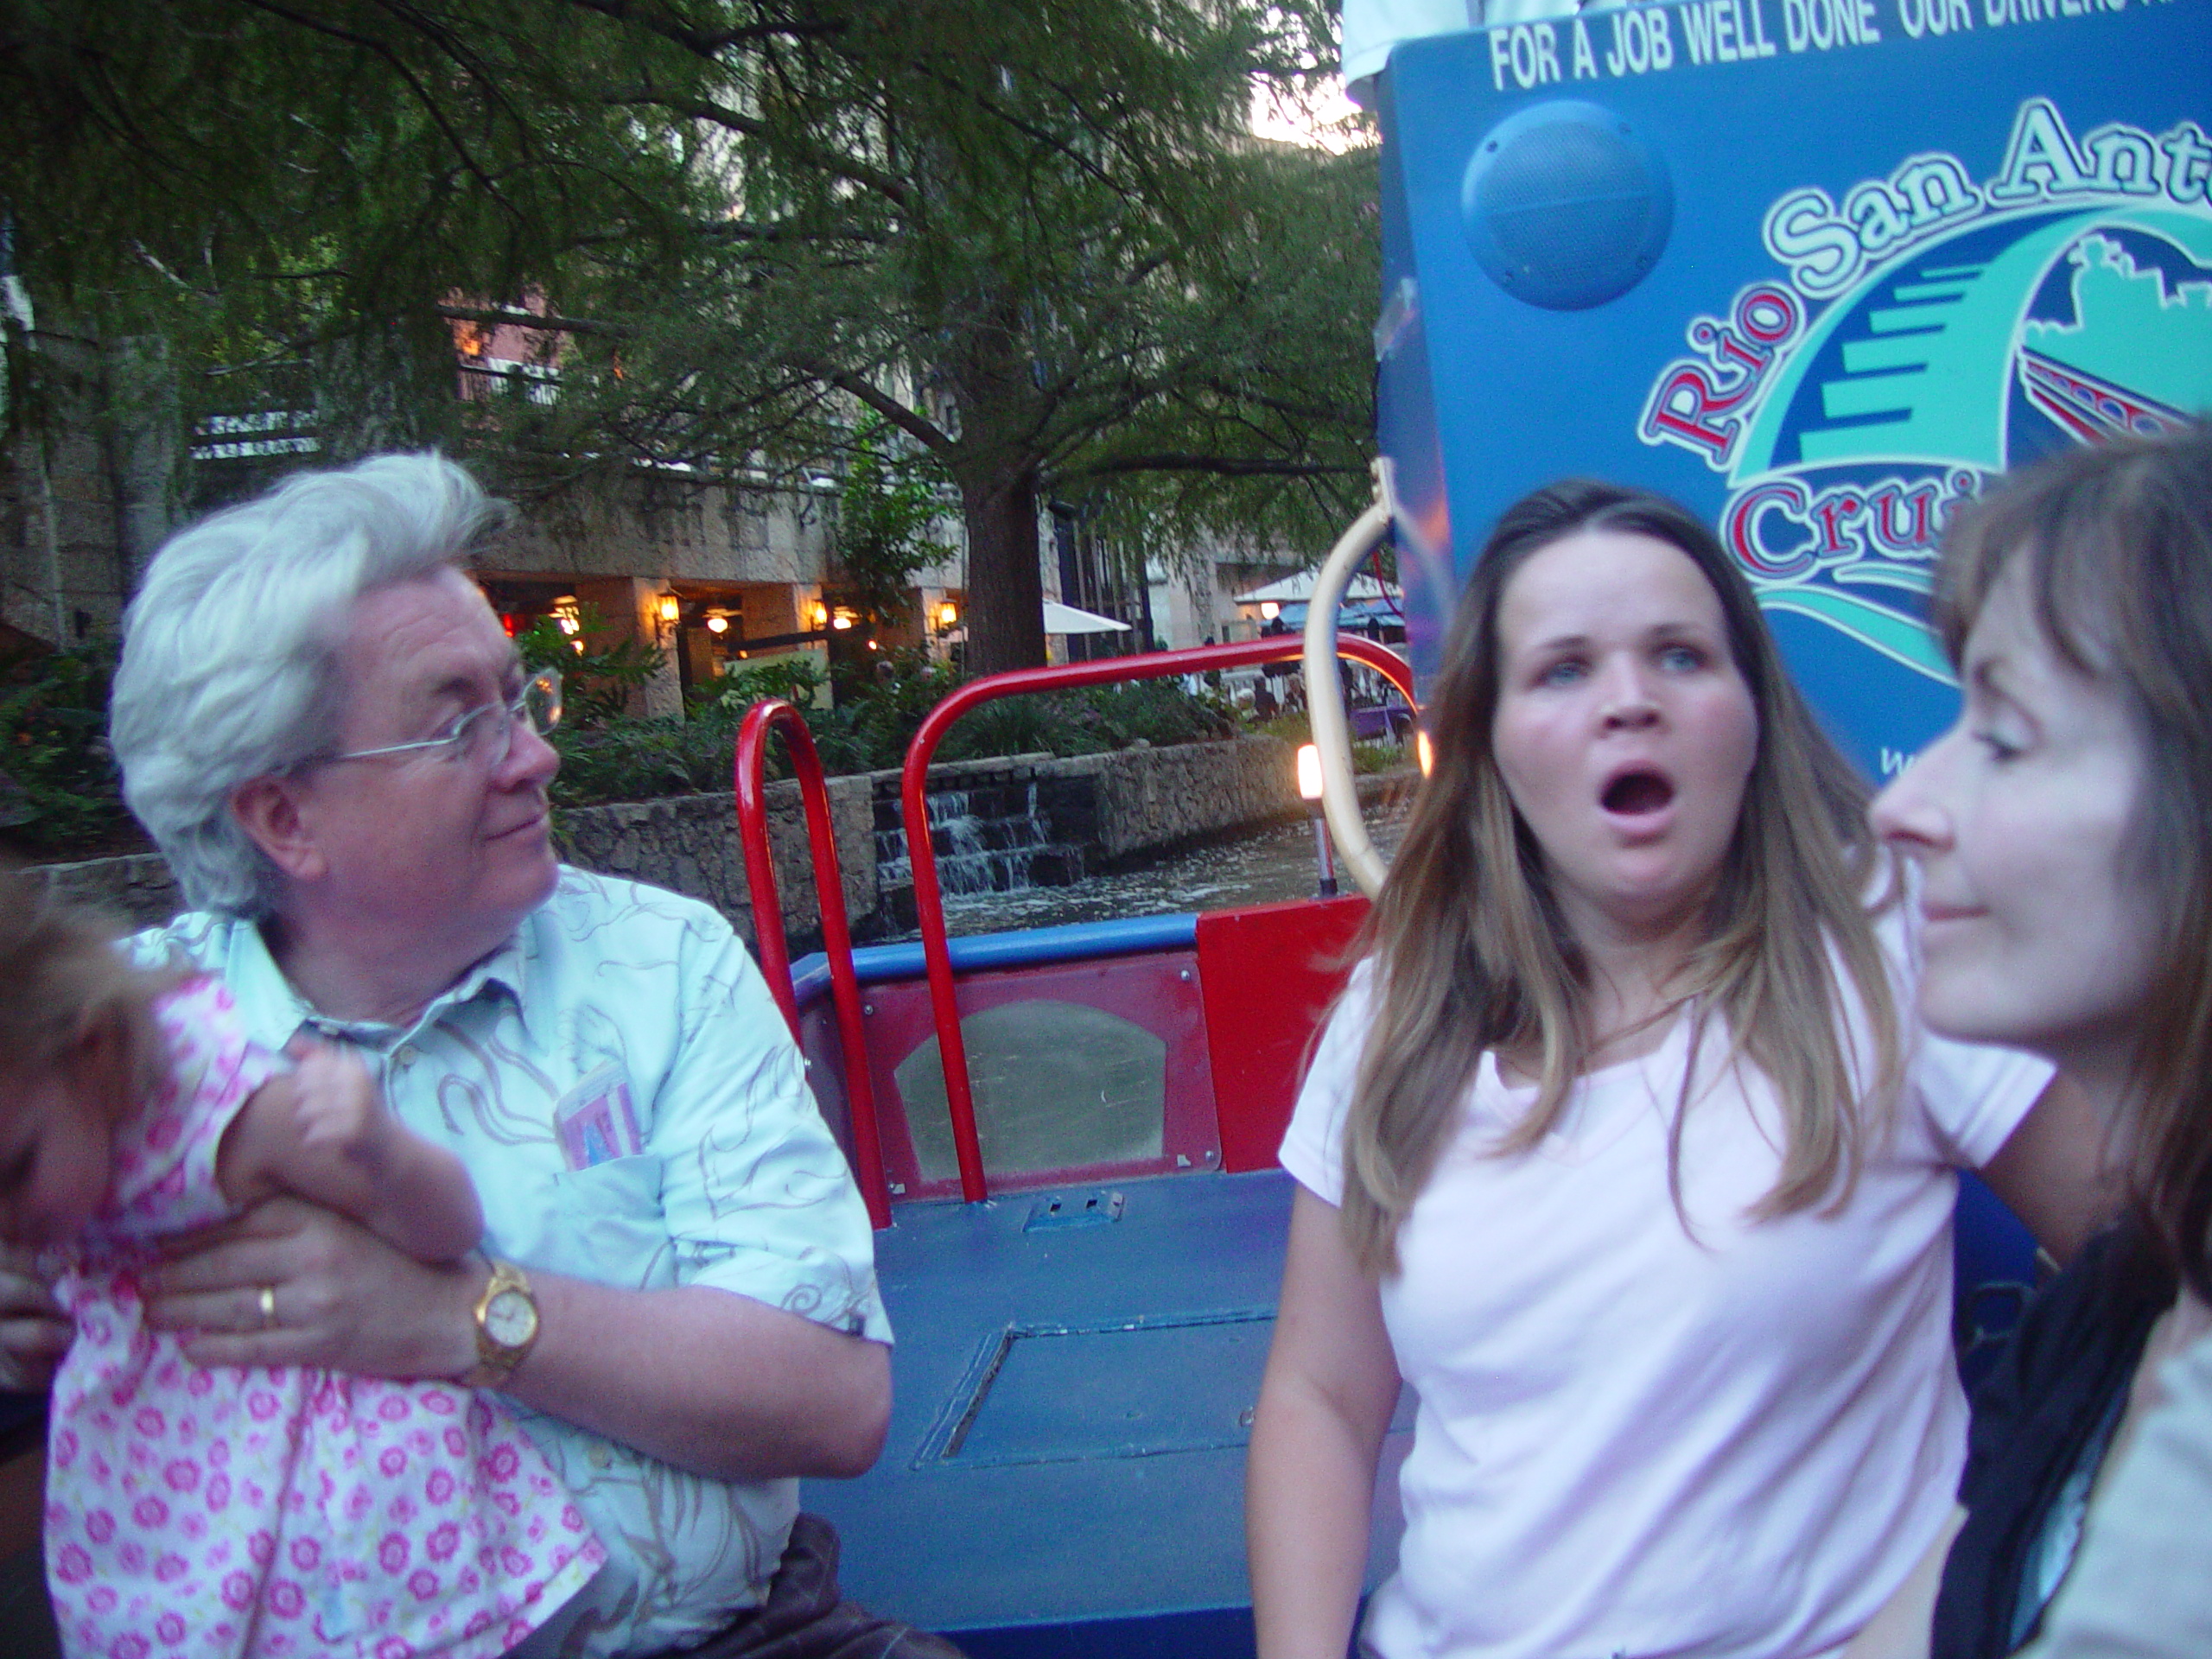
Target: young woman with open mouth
{"x":1625,"y":1151}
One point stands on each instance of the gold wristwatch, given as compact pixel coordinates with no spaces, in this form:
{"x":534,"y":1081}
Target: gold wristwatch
{"x":506,"y":1325}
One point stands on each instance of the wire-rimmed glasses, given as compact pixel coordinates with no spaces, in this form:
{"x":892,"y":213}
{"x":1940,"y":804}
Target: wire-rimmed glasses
{"x":481,"y":737}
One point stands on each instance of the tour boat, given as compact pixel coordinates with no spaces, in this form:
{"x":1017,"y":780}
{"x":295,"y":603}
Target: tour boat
{"x":1817,"y":268}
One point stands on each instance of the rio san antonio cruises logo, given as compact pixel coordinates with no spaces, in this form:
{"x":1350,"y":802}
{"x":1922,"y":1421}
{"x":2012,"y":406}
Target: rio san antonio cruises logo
{"x":1932,"y":332}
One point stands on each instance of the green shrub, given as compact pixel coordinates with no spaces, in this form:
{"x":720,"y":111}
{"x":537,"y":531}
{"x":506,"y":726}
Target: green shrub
{"x":623,"y":758}
{"x":595,"y":685}
{"x":58,"y":787}
{"x":1367,"y":756}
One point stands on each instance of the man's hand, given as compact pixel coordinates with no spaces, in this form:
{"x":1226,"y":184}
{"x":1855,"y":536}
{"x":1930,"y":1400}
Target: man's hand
{"x":339,"y":1297}
{"x":705,"y":1379}
{"x":34,"y":1331}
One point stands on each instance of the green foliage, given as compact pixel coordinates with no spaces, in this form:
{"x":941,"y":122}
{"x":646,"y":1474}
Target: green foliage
{"x":58,"y":787}
{"x":796,"y":677}
{"x":892,"y":496}
{"x":1091,"y":721}
{"x":1036,"y":239}
{"x":625,"y":758}
{"x":314,"y":184}
{"x":633,"y":758}
{"x":1367,"y":756}
{"x":59,"y":792}
{"x":597,"y":683}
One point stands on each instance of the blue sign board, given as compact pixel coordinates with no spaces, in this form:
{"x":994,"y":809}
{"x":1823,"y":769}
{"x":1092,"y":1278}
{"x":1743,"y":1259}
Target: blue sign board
{"x":1819,"y":268}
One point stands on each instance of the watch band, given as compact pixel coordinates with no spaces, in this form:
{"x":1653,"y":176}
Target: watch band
{"x":496,"y":1359}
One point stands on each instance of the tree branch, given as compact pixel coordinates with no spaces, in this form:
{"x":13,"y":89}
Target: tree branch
{"x":1220,"y":466}
{"x":495,"y":315}
{"x":926,"y":433}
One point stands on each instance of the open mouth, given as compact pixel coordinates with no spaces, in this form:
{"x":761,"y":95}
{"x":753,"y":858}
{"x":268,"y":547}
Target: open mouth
{"x":1635,"y":793}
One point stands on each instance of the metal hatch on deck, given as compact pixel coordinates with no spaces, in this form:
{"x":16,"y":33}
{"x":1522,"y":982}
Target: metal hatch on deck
{"x":1135,"y":1388}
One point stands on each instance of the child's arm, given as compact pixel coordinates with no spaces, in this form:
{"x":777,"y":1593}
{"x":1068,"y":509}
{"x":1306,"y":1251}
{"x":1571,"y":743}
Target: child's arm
{"x":321,"y":1131}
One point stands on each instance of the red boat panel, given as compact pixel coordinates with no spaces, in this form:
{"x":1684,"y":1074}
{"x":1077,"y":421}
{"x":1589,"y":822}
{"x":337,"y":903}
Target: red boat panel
{"x":1154,"y":996}
{"x":1269,"y":975}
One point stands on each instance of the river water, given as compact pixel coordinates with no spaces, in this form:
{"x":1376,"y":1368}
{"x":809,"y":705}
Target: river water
{"x":1265,"y":868}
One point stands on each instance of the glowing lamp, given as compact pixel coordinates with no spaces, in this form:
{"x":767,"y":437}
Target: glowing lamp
{"x":1269,"y":610}
{"x":1309,"y":788}
{"x":718,"y":624}
{"x":669,"y":608}
{"x":1423,"y":754}
{"x":948,"y":614}
{"x":842,"y":619}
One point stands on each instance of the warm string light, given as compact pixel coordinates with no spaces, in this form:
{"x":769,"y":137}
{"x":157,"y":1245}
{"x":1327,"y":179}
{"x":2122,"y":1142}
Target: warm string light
{"x":568,"y":618}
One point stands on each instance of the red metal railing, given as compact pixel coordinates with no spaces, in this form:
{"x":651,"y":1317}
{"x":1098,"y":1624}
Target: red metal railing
{"x":929,"y":898}
{"x":836,"y":937}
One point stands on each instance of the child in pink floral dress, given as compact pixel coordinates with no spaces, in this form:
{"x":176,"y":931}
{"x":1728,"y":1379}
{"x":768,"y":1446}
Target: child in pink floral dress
{"x":279,"y":1510}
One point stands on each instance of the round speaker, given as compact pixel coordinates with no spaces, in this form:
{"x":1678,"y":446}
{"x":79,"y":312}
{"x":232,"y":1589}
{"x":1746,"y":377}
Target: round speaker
{"x":1567,"y":205}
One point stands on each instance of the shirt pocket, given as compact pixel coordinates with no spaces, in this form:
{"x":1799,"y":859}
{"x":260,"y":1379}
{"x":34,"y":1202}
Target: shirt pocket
{"x":606,"y":1224}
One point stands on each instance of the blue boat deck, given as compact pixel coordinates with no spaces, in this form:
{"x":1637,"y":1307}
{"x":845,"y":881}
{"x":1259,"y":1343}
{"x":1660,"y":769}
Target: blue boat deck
{"x":1075,"y":1374}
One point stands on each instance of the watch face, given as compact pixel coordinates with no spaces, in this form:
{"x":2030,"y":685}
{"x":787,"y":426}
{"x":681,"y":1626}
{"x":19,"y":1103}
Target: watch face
{"x":510,"y":1318}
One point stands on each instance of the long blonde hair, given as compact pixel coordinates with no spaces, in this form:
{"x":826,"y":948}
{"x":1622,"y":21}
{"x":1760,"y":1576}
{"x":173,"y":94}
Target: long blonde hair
{"x":1471,"y":951}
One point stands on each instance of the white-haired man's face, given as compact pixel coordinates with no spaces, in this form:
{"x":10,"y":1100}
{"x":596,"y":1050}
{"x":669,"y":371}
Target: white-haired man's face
{"x":451,"y":845}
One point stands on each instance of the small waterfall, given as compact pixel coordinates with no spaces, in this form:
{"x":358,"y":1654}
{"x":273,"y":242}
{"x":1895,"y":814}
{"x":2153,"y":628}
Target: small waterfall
{"x":996,"y":843}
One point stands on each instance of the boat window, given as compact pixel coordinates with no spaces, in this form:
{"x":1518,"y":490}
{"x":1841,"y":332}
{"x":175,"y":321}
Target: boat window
{"x":1057,"y":1085}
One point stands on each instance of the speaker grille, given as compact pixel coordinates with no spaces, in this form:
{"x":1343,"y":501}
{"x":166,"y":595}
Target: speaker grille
{"x":1566,"y":205}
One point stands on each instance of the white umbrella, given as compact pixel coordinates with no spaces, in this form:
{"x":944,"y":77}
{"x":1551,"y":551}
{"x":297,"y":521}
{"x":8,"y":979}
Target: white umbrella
{"x":1065,"y":619}
{"x":1296,"y":590}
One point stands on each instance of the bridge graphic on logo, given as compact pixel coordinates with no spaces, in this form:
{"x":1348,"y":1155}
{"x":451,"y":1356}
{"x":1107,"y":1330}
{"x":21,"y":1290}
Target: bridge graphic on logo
{"x":2021,"y":333}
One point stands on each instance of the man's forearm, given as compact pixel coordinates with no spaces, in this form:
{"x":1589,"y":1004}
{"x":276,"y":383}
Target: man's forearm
{"x":706,"y":1380}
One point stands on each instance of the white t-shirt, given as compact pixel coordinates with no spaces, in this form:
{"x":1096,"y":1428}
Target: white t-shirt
{"x":1633,"y":1441}
{"x":2142,"y":1587}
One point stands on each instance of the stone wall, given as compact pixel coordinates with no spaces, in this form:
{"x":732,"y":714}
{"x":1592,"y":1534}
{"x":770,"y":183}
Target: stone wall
{"x":1113,"y":807}
{"x":1147,"y":798}
{"x":688,"y":842}
{"x":138,"y":889}
{"x":1134,"y":800}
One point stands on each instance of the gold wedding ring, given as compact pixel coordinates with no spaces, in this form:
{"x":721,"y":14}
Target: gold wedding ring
{"x":268,"y":1306}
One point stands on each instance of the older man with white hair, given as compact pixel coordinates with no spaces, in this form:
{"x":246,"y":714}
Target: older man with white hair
{"x":325,"y":728}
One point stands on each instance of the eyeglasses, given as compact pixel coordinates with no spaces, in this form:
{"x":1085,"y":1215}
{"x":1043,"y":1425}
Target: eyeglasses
{"x":485,"y":736}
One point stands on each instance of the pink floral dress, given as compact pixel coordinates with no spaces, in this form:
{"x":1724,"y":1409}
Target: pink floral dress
{"x":281,"y":1511}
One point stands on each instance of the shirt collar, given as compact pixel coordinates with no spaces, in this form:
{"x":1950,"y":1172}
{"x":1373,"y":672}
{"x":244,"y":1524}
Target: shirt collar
{"x":274,"y":1011}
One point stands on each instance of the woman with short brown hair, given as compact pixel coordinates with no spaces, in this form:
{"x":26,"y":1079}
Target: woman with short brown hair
{"x":2065,"y":828}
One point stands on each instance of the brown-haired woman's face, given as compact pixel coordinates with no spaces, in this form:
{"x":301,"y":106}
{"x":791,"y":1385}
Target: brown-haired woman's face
{"x":2038,"y":933}
{"x":1623,"y":730}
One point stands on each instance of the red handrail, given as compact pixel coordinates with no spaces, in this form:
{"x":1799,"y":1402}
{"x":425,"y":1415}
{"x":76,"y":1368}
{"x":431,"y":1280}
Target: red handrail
{"x":929,"y":899}
{"x":751,"y":768}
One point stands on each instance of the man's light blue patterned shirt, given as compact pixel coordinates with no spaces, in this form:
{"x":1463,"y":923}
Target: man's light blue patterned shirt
{"x":622,"y":1089}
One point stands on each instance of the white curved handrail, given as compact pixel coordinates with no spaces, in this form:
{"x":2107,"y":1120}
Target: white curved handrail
{"x":1325,"y":697}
